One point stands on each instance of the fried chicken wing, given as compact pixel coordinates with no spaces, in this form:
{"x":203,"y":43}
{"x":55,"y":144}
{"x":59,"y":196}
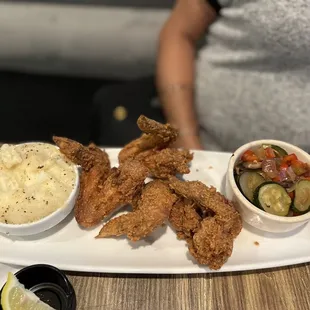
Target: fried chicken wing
{"x":155,"y":136}
{"x":210,"y":199}
{"x":160,"y":135}
{"x":84,"y":156}
{"x":96,"y":166}
{"x":152,"y":149}
{"x":185,"y":219}
{"x":152,"y":209}
{"x":210,"y":233}
{"x":211,"y":245}
{"x":122,"y":185}
{"x":166,"y":162}
{"x":91,"y":184}
{"x":119,"y":189}
{"x":200,"y":215}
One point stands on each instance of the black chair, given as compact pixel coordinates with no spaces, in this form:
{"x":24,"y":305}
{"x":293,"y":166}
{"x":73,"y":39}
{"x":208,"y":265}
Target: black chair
{"x":116,"y":109}
{"x":34,"y":107}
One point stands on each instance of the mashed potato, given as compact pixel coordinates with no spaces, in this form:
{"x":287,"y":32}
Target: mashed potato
{"x":35,"y":180}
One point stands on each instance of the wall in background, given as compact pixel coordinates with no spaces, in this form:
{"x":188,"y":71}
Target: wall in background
{"x":117,"y":3}
{"x":108,"y":41}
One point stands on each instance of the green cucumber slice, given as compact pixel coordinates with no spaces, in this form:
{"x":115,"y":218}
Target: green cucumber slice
{"x":272,"y":198}
{"x":281,"y":152}
{"x":302,"y":197}
{"x":248,"y":182}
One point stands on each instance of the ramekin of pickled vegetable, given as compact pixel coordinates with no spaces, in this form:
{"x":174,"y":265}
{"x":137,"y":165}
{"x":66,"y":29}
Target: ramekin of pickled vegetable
{"x":269,"y":181}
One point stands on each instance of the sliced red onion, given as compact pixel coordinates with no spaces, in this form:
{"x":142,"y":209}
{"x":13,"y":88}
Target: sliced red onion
{"x":282,"y":175}
{"x":269,"y":168}
{"x":287,"y":184}
{"x":291,"y":174}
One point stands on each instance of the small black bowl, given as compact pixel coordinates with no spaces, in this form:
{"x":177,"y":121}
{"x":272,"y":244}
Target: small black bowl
{"x":50,"y":284}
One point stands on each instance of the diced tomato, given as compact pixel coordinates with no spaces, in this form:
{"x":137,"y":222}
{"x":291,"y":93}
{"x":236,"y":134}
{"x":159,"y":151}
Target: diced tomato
{"x":298,"y":163}
{"x":249,"y":156}
{"x":299,"y":167}
{"x":283,"y":166}
{"x":289,"y":158}
{"x":292,"y":195}
{"x":270,"y":153}
{"x":276,"y":179}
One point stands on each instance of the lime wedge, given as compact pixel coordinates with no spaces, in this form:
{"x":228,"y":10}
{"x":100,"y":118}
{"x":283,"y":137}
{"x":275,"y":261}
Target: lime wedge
{"x":15,"y":297}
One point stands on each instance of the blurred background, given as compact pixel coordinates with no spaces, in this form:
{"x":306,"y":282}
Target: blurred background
{"x":81,"y":69}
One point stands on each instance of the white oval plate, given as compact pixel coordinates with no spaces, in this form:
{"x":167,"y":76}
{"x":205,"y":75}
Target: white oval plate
{"x":70,"y":248}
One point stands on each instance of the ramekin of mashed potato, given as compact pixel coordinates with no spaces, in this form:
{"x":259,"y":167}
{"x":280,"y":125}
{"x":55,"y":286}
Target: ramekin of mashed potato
{"x":38,"y":187}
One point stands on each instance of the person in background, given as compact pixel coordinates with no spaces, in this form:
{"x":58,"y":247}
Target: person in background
{"x":251,"y":79}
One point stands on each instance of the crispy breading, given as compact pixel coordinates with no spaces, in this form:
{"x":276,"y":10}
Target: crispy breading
{"x":210,"y":236}
{"x":122,"y":186}
{"x":102,"y":189}
{"x":95,"y":164}
{"x":211,"y":245}
{"x":119,"y":189}
{"x":159,"y":135}
{"x":185,"y":219}
{"x":155,"y":136}
{"x":210,"y":199}
{"x":84,"y":156}
{"x":167,"y":162}
{"x":199,"y":214}
{"x":91,"y":184}
{"x":152,"y":209}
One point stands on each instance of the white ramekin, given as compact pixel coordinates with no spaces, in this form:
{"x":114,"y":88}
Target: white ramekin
{"x":249,"y":212}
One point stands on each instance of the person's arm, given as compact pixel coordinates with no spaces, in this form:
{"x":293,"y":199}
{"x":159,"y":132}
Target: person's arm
{"x":176,"y":66}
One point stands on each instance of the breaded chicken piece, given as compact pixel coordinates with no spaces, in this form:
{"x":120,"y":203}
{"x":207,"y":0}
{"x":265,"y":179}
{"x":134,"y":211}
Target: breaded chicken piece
{"x":152,"y":149}
{"x":155,"y":136}
{"x":185,"y":219}
{"x":119,"y":189}
{"x":95,"y":166}
{"x":160,"y":135}
{"x":102,"y":189}
{"x":210,"y":199}
{"x":122,"y":185}
{"x":210,"y":233}
{"x":91,"y":184}
{"x":166,"y":162}
{"x":211,"y":245}
{"x":151,"y":211}
{"x":84,"y":156}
